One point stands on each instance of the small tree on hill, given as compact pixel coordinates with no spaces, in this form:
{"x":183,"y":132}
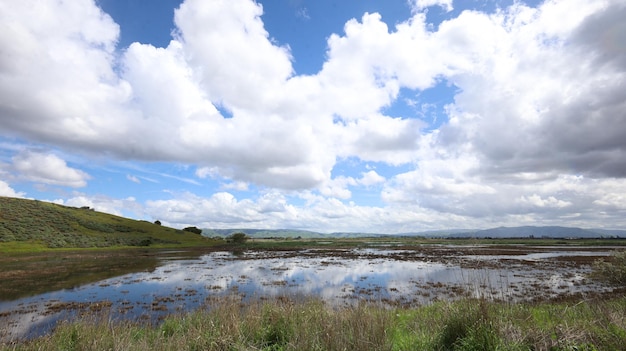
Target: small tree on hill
{"x":157,"y":222}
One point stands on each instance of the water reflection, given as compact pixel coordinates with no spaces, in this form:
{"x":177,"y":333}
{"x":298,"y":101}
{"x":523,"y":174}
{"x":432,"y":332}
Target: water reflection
{"x":396,"y":277}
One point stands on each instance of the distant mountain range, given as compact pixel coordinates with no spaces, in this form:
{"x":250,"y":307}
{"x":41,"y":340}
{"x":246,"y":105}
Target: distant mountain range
{"x":543,"y":232}
{"x":500,"y":232}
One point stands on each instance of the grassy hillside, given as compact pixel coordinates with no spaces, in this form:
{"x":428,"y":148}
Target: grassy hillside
{"x":28,"y":224}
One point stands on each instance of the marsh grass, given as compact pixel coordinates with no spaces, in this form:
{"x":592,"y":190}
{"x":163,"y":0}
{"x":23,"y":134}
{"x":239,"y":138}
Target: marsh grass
{"x":284,"y":324}
{"x":611,"y":270}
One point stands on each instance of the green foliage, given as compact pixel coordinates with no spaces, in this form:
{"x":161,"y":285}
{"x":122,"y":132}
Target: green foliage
{"x":54,"y":226}
{"x":194,"y":230}
{"x":469,"y":328}
{"x":612,"y":271}
{"x":237,"y":238}
{"x":277,"y":331}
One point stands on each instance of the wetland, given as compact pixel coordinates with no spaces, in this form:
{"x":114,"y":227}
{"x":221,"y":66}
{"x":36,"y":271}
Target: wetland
{"x":40,"y":290}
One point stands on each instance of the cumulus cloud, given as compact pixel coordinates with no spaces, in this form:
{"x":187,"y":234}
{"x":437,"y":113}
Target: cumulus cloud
{"x":283,"y":132}
{"x":58,"y":82}
{"x":220,"y":210}
{"x":535,"y":101}
{"x":6,"y":190}
{"x":128,"y":207}
{"x":273,"y":210}
{"x":370,"y":178}
{"x":290,"y":121}
{"x":48,"y":169}
{"x":338,"y":186}
{"x":536,"y":121}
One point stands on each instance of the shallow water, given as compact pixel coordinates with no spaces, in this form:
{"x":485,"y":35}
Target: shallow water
{"x":340,"y":277}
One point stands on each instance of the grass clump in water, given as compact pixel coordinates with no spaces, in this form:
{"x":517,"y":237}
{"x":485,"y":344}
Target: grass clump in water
{"x":613,"y":270}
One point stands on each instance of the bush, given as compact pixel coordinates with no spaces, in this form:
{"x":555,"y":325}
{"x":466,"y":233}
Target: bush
{"x":194,"y":230}
{"x":237,"y":238}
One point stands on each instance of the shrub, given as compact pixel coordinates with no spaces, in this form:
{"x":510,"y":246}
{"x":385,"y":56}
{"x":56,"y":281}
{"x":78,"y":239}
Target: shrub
{"x":237,"y":238}
{"x":194,"y":230}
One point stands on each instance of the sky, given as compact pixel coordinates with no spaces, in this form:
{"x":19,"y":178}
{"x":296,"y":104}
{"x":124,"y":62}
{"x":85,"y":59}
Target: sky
{"x":332,"y":116}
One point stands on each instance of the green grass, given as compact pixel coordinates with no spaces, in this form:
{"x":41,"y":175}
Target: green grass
{"x":31,"y":226}
{"x":283,"y":324}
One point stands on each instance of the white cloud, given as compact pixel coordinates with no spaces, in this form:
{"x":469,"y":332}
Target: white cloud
{"x":538,"y":201}
{"x":58,"y":83}
{"x":48,"y":169}
{"x":420,"y":5}
{"x":240,"y":186}
{"x":370,"y":178}
{"x":204,"y":172}
{"x":533,"y":100}
{"x":246,"y":69}
{"x":534,"y":132}
{"x":272,"y":210}
{"x":281,"y":134}
{"x":133,"y":178}
{"x":338,"y":187}
{"x":128,"y":207}
{"x":6,"y":190}
{"x":220,"y":210}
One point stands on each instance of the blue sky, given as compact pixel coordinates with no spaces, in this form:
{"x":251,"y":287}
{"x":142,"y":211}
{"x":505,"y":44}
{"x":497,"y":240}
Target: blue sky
{"x":371,"y":116}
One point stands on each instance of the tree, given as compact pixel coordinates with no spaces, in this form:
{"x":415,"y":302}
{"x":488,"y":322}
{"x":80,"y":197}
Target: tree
{"x":237,"y":238}
{"x":157,"y":222}
{"x":194,"y":230}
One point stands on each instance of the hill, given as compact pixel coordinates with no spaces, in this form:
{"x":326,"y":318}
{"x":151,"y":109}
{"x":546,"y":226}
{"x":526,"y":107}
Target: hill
{"x":54,"y":226}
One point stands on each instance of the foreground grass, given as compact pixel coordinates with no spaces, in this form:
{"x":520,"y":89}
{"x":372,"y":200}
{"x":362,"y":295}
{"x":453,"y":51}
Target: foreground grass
{"x":283,"y":324}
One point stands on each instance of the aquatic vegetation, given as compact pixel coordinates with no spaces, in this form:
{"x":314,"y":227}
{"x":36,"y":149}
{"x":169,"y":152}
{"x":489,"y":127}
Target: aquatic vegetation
{"x":612,"y":270}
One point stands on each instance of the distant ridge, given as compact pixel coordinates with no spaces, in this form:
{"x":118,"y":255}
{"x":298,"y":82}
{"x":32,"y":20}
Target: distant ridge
{"x":542,"y":232}
{"x":264,"y":233}
{"x":500,"y":232}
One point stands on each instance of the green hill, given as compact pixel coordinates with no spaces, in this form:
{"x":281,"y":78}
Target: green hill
{"x":30,"y":223}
